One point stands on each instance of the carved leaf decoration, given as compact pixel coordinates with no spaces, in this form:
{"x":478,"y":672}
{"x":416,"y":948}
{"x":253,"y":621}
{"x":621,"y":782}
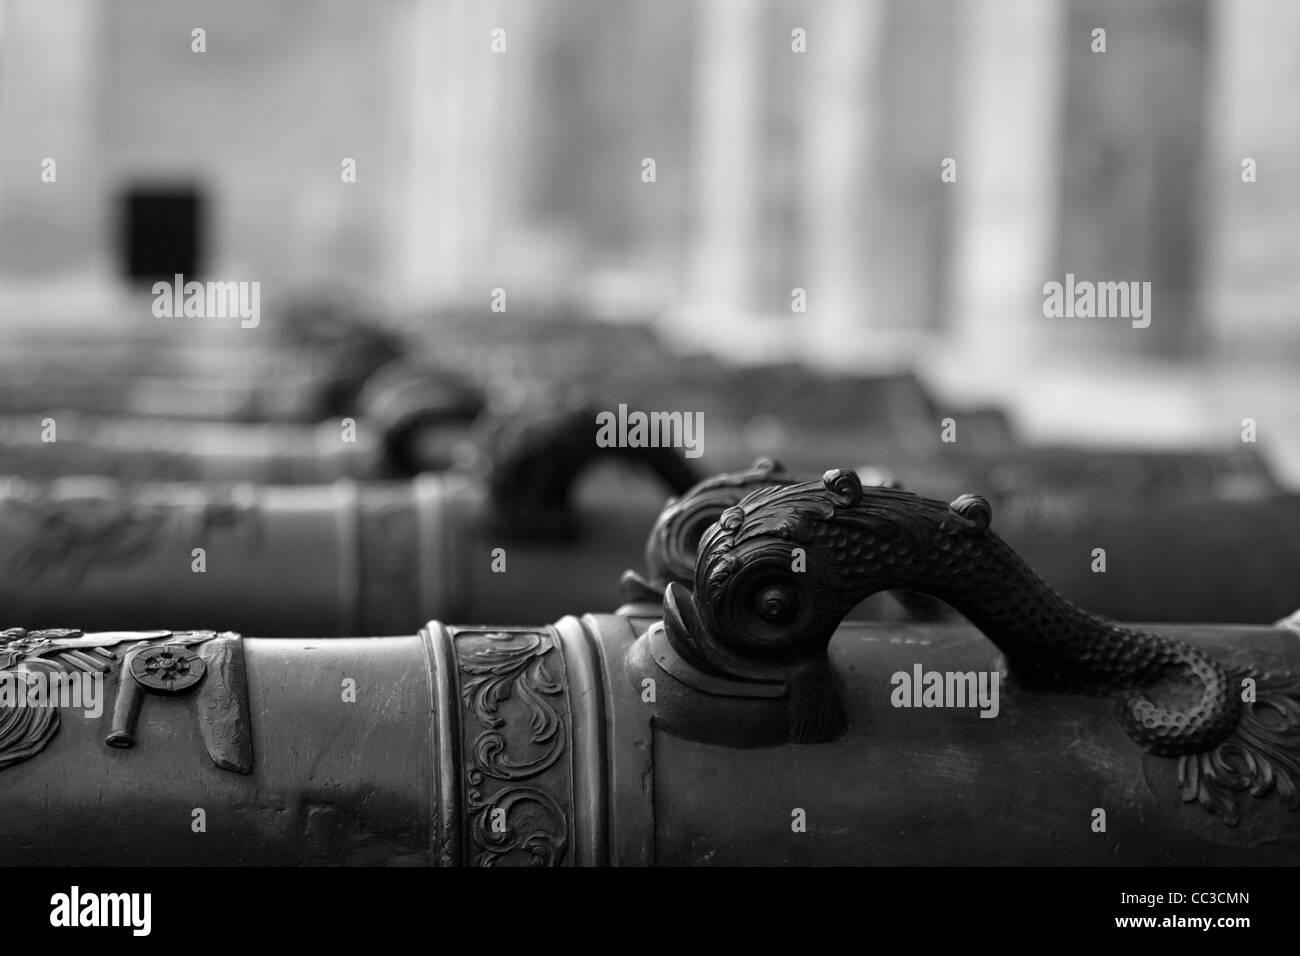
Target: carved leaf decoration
{"x":1258,"y":757}
{"x":24,"y":731}
{"x":530,"y":834}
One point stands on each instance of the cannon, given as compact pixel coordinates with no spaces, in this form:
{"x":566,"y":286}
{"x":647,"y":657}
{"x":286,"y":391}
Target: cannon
{"x":746,"y":723}
{"x":1195,"y":552}
{"x":408,"y":420}
{"x":311,"y":360}
{"x":533,"y":533}
{"x":363,"y":557}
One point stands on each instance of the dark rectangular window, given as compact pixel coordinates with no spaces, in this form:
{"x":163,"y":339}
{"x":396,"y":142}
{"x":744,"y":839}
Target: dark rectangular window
{"x":162,"y":233}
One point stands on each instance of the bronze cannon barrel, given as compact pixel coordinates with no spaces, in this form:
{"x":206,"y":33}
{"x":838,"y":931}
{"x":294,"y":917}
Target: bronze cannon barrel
{"x":309,"y":360}
{"x":749,"y":725}
{"x":291,"y":394}
{"x":319,"y":560}
{"x":371,"y":557}
{"x":542,"y":530}
{"x":410,"y":768}
{"x":406,"y":421}
{"x":166,"y":450}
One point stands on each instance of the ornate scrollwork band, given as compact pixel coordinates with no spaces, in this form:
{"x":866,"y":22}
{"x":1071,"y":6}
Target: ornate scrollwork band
{"x":516,"y":746}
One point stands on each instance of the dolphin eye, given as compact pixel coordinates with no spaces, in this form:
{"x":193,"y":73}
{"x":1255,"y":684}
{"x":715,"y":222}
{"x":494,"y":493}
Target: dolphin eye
{"x":777,"y":604}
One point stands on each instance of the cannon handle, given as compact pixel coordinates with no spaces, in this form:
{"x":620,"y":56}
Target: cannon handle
{"x":403,"y":399}
{"x":778,"y":572}
{"x":536,"y":460}
{"x":672,"y":546}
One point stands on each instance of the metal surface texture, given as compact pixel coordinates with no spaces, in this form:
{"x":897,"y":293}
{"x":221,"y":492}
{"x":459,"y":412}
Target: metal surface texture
{"x":329,"y":559}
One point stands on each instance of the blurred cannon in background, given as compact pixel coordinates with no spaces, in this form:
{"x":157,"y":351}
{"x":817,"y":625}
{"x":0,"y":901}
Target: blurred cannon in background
{"x":312,"y":360}
{"x":784,"y":408}
{"x":1057,"y":504}
{"x":542,"y":526}
{"x":409,"y":419}
{"x":533,"y":534}
{"x":412,"y":412}
{"x":1193,"y":552}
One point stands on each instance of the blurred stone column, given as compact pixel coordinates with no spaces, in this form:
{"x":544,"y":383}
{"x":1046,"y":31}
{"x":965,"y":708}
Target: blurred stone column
{"x":820,"y":172}
{"x":1008,"y":151}
{"x":419,"y":258}
{"x":725,"y":266}
{"x":840,"y":170}
{"x":911,"y":207}
{"x":1134,"y":140}
{"x":1253,"y":263}
{"x":465,"y":109}
{"x":58,"y":228}
{"x":658,"y":120}
{"x":784,"y":111}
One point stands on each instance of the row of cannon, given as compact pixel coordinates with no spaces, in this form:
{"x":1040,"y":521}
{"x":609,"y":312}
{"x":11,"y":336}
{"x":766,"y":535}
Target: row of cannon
{"x":771,"y":668}
{"x":542,"y":525}
{"x":726,"y":713}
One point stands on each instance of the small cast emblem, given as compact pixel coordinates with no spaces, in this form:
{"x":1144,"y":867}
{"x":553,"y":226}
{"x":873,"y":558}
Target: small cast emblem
{"x":167,"y":668}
